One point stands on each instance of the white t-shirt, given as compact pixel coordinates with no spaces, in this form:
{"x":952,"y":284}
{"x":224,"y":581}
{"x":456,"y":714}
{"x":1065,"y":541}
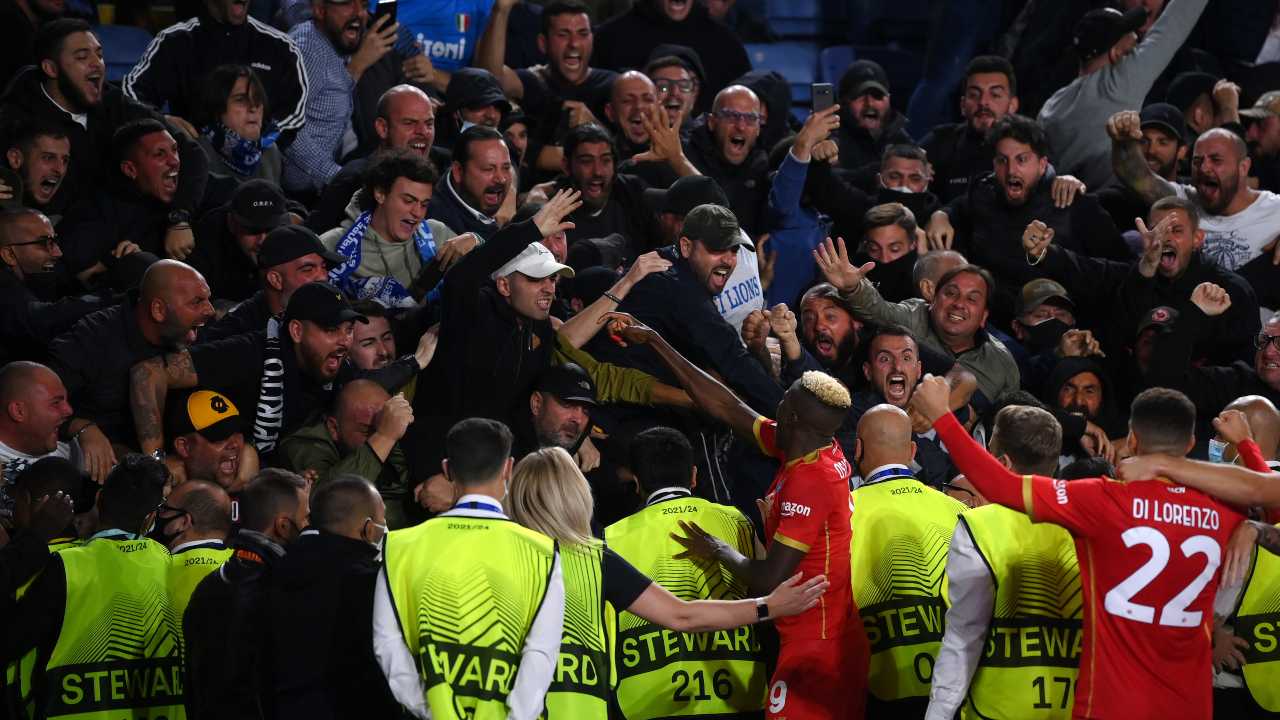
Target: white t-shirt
{"x":742,"y":293}
{"x":66,"y":451}
{"x":1233,"y":240}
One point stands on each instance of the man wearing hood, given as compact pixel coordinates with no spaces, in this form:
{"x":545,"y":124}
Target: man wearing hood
{"x":989,"y":222}
{"x":1081,"y":395}
{"x":626,"y":41}
{"x":868,"y":123}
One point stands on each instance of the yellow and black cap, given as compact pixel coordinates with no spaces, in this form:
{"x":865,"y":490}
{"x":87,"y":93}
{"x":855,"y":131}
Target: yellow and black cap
{"x":207,"y":412}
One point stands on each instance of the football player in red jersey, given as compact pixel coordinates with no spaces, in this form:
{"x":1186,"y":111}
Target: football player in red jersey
{"x":1149,"y":560}
{"x":822,"y":664}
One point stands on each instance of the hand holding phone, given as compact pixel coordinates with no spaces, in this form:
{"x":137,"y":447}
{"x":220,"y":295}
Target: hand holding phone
{"x":823,"y":96}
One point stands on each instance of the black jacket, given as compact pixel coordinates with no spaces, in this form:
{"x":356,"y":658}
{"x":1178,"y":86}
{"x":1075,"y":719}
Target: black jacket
{"x":989,"y":233}
{"x":326,"y":583}
{"x":174,"y":68}
{"x":447,"y":207}
{"x":1110,"y":417}
{"x":94,"y":226}
{"x":228,"y":658}
{"x":1117,"y":292}
{"x":91,"y":168}
{"x":957,"y":154}
{"x":488,"y":355}
{"x":747,"y":185}
{"x":679,"y":308}
{"x":28,"y":324}
{"x":626,"y":214}
{"x":231,"y":274}
{"x":858,"y":147}
{"x":625,"y":42}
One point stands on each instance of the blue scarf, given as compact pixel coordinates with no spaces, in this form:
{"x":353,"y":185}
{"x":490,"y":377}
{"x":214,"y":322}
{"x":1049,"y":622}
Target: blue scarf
{"x":243,"y":155}
{"x":383,"y":288}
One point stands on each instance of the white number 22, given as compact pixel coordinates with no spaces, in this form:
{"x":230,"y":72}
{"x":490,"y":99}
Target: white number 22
{"x":1119,"y":600}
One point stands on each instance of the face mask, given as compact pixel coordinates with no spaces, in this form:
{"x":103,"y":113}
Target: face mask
{"x":157,"y":532}
{"x":1045,"y":335}
{"x":369,"y":522}
{"x":466,"y":124}
{"x":1216,"y":450}
{"x":904,"y":189}
{"x":894,"y":279}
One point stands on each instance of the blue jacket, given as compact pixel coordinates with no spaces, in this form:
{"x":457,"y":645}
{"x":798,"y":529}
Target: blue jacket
{"x":794,"y":231}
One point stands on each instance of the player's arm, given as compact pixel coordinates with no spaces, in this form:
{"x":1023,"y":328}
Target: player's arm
{"x":1231,"y":484}
{"x":791,"y":597}
{"x":762,"y":576}
{"x":997,"y":483}
{"x":708,"y":394}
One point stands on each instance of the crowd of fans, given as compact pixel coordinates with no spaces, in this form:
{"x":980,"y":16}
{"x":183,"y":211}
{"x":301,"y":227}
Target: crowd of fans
{"x":545,"y":361}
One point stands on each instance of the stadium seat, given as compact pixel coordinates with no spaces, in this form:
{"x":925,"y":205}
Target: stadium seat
{"x":898,"y":22}
{"x":797,"y":62}
{"x":903,"y":67}
{"x":834,"y":61}
{"x":122,"y":47}
{"x":807,"y":18}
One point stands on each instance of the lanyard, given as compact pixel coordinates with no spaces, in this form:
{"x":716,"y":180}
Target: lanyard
{"x":478,"y":505}
{"x":892,"y":473}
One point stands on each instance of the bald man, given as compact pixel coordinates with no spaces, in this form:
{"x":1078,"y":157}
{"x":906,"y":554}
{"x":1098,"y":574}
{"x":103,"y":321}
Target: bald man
{"x":360,"y":435}
{"x":1264,"y":424}
{"x":326,"y":580}
{"x":901,"y":532}
{"x":726,"y":149}
{"x":94,"y":357}
{"x":33,"y":408}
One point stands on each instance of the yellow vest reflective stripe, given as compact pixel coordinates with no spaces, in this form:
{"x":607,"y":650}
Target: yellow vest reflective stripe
{"x":663,"y":673}
{"x":466,"y":592}
{"x":188,"y":567}
{"x":1258,"y":621}
{"x":580,"y":686}
{"x":17,"y":674}
{"x":118,"y":653}
{"x":1031,"y":658}
{"x":901,"y":532}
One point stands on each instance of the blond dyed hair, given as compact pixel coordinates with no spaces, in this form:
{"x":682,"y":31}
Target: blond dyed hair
{"x":548,"y":493}
{"x":828,"y":390}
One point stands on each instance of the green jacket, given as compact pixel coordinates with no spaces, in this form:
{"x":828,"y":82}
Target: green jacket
{"x":312,"y":448}
{"x":614,"y":383}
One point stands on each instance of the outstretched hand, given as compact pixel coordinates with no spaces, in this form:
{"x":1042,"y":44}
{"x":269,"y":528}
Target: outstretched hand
{"x":833,"y":261}
{"x":698,"y":544}
{"x":551,"y":218}
{"x":624,"y":329}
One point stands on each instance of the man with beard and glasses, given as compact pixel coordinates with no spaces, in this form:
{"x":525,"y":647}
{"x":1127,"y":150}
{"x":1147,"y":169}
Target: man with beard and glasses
{"x":285,"y":371}
{"x":206,"y":440}
{"x":138,"y":207}
{"x":559,"y":413}
{"x":40,"y":155}
{"x":1116,"y":71}
{"x":360,"y":434}
{"x":612,"y":202}
{"x":1239,"y":222}
{"x":172,"y":70}
{"x":1170,"y":267}
{"x":93,"y":358}
{"x":868,"y":123}
{"x":988,"y":223}
{"x":960,"y":151}
{"x":628,"y":40}
{"x":405,"y":119}
{"x":677,"y":76}
{"x":477,"y":194}
{"x":35,"y":309}
{"x":67,"y":90}
{"x":725,"y":148}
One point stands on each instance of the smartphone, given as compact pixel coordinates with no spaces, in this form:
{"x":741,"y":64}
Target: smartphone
{"x":384,"y":7}
{"x":823,"y":96}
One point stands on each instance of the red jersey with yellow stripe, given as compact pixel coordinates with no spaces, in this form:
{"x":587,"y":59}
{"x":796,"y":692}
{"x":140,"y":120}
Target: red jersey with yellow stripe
{"x":809,"y":510}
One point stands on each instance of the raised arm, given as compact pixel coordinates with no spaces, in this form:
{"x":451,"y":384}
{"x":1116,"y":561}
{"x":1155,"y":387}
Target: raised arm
{"x":1231,"y":484}
{"x":708,"y":394}
{"x":580,"y":328}
{"x":1125,"y":129}
{"x":149,"y":383}
{"x":492,"y":49}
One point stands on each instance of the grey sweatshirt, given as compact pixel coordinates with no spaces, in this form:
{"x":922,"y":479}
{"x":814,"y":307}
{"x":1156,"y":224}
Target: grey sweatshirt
{"x":1075,"y":118}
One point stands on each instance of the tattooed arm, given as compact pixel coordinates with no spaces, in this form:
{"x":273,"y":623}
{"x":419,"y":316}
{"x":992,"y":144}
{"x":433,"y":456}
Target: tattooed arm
{"x":1125,"y":129}
{"x":149,"y":382}
{"x":1268,"y":536}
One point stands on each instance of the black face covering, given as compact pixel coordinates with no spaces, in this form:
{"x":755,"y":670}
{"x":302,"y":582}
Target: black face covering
{"x":921,"y":204}
{"x":1045,"y":335}
{"x":893,"y":279}
{"x":158,"y":534}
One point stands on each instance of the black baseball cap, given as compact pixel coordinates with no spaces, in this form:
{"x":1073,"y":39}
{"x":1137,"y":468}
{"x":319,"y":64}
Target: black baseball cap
{"x":1041,"y":290}
{"x":715,"y":226}
{"x":687,"y":56}
{"x":207,"y":412}
{"x":258,"y":205}
{"x":322,"y":304}
{"x":291,"y":242}
{"x":1187,"y":86}
{"x":1166,"y":117}
{"x":861,"y":77}
{"x":568,"y":382}
{"x":1099,"y":30}
{"x":686,"y":194}
{"x":1162,"y":318}
{"x":475,"y":88}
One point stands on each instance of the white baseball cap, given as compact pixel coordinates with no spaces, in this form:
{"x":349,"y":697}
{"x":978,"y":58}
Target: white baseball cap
{"x":535,"y":261}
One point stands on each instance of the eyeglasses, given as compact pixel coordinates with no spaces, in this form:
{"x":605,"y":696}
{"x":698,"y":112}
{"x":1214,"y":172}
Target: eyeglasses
{"x":1263,"y":340}
{"x":733,"y":116}
{"x":48,"y":241}
{"x":665,"y":86}
{"x":165,"y":507}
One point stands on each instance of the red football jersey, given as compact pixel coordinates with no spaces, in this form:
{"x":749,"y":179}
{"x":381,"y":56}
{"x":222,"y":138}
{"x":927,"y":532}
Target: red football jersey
{"x":810,"y":511}
{"x":1149,"y":553}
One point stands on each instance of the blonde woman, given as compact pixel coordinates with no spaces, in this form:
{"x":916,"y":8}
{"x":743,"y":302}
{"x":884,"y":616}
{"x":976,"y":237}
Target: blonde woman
{"x":549,"y":494}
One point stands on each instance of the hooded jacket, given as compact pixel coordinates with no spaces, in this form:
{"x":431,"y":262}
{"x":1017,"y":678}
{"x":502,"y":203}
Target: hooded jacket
{"x":1109,"y":418}
{"x":958,"y":154}
{"x":626,"y":41}
{"x":91,"y":168}
{"x":775,"y":94}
